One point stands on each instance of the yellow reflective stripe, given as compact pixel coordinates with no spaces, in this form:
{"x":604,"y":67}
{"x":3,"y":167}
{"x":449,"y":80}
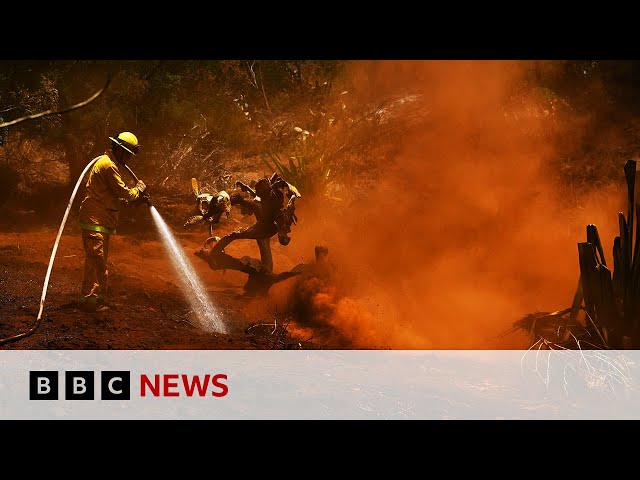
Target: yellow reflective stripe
{"x":97,"y":228}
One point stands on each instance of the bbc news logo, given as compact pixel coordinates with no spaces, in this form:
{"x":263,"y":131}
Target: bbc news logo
{"x":116,"y":385}
{"x":80,"y":385}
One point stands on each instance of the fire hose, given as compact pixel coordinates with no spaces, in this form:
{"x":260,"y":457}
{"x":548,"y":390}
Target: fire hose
{"x":145,"y":195}
{"x":45,"y":286}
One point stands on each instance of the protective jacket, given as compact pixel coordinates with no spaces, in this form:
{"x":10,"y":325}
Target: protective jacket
{"x":106,"y":191}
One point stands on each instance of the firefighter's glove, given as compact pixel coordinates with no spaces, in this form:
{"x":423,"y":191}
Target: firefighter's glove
{"x":141,"y":186}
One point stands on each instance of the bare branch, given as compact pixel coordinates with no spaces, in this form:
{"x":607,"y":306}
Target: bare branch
{"x":253,"y":74}
{"x":262,"y":85}
{"x":64,"y":110}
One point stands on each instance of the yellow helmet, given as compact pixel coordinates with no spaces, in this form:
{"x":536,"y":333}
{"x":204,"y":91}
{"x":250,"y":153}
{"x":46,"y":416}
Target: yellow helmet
{"x":128,"y":141}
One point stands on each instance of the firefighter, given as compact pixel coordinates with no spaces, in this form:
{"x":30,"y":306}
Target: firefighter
{"x":99,"y":216}
{"x":272,"y":216}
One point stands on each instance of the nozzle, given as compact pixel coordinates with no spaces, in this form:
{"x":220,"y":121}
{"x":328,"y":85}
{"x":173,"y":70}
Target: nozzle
{"x":147,"y":199}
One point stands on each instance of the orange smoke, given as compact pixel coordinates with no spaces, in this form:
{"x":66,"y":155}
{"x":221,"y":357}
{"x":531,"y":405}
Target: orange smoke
{"x":466,"y":229}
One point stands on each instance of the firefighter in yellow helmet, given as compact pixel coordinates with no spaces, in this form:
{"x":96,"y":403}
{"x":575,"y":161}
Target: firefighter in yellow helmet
{"x":99,"y":216}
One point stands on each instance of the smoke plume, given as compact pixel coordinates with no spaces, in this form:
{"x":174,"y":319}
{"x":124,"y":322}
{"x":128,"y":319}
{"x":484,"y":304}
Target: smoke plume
{"x":466,"y":228}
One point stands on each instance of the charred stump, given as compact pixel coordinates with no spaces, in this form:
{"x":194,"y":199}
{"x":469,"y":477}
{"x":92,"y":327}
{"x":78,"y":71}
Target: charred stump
{"x":611,"y":300}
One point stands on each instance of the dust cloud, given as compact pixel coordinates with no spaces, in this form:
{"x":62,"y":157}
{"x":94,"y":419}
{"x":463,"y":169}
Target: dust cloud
{"x":467,"y":229}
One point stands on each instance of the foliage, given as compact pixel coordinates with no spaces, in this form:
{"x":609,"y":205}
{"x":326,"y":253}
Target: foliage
{"x":307,"y":168}
{"x":204,"y":118}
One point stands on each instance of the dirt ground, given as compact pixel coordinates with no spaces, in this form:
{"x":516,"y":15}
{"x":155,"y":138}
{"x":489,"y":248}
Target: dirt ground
{"x":148,"y":308}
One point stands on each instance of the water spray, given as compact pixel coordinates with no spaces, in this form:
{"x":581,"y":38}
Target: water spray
{"x":192,"y":287}
{"x":195,"y":292}
{"x":53,"y":256}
